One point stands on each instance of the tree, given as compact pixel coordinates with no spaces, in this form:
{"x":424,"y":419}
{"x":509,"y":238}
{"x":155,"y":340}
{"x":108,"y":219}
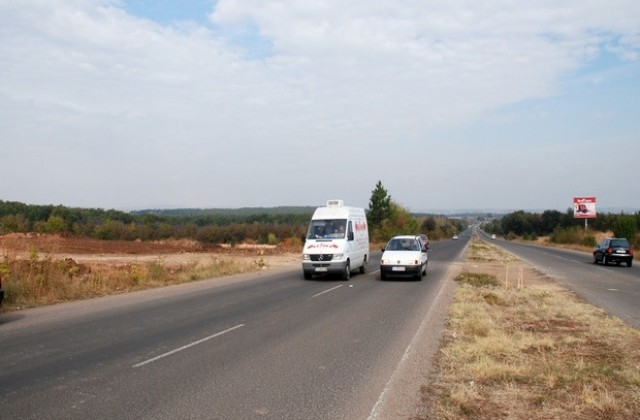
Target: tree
{"x":625,"y":227}
{"x":379,"y":206}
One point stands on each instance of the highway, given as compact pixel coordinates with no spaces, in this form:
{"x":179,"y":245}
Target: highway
{"x":267,"y":345}
{"x":616,"y":289}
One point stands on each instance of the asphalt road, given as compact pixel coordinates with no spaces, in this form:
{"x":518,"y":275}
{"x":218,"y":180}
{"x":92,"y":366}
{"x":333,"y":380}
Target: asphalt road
{"x":266,"y":346}
{"x":616,"y":289}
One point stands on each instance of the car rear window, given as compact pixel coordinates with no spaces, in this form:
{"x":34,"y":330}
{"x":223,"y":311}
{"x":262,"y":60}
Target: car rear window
{"x":620,"y":243}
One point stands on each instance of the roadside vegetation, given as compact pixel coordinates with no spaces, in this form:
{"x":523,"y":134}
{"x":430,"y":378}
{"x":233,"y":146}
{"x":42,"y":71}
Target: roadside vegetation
{"x":42,"y":280}
{"x":564,"y":230}
{"x":536,"y":351}
{"x":388,"y":218}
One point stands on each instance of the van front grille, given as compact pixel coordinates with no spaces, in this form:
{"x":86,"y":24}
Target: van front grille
{"x":322,"y":257}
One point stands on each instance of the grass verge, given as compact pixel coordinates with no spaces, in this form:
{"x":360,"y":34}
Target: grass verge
{"x":39,"y":281}
{"x":535,"y":352}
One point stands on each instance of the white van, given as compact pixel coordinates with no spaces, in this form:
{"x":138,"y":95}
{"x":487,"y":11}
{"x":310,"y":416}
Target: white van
{"x":337,"y":241}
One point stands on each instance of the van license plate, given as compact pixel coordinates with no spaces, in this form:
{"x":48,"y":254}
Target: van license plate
{"x":397,"y":268}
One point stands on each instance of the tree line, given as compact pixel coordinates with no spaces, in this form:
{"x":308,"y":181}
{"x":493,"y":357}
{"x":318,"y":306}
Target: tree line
{"x":388,"y":218}
{"x":213,"y":226}
{"x":205,"y":225}
{"x":563,"y":227}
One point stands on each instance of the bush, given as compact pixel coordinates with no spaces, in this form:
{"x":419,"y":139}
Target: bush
{"x":589,"y":240}
{"x":569,"y":235}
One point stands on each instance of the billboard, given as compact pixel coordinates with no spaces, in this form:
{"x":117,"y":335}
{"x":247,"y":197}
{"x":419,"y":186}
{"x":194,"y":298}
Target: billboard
{"x":584,"y":207}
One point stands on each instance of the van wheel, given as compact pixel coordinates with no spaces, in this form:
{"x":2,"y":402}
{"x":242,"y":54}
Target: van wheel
{"x":362,"y":267}
{"x":346,"y":274}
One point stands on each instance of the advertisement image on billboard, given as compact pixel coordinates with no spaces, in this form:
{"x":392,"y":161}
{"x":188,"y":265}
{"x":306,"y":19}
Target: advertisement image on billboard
{"x":584,"y":207}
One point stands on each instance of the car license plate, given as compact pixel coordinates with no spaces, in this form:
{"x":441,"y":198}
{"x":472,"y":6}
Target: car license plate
{"x":621,"y":251}
{"x":321,"y":269}
{"x":397,"y":268}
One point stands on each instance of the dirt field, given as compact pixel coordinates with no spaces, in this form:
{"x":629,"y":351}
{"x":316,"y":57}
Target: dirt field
{"x":103,"y":252}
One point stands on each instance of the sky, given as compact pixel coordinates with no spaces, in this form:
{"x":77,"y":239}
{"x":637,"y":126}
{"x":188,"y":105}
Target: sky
{"x":458,"y":104}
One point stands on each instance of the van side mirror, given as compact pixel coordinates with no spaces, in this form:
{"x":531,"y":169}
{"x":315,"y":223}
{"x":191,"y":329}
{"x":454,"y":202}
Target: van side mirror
{"x":350,"y":236}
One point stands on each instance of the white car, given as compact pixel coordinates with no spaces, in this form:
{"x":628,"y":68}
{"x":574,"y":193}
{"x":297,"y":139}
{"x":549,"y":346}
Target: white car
{"x":404,"y":255}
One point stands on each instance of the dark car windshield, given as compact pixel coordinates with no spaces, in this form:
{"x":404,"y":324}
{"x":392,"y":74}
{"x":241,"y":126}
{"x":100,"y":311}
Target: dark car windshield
{"x":620,"y":243}
{"x":403,"y":245}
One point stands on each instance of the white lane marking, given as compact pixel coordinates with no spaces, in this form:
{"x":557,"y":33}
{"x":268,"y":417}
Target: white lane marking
{"x":187,"y":346}
{"x":326,"y":291}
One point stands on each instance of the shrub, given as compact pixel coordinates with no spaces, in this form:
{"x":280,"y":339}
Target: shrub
{"x":478,"y":279}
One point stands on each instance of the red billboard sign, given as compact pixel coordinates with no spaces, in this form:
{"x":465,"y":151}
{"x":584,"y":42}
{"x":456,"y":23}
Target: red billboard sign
{"x":584,"y":207}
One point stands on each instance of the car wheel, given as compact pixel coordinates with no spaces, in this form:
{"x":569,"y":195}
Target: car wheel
{"x":307,"y":276}
{"x":629,"y":263}
{"x":346,"y":274}
{"x":595,"y":259}
{"x":604,"y":260}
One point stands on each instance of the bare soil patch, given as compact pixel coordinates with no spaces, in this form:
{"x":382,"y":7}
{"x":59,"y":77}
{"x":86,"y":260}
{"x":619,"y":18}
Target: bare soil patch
{"x":106,"y":252}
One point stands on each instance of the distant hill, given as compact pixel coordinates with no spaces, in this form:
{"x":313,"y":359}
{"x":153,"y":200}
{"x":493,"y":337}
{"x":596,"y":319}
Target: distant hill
{"x":240,"y":212}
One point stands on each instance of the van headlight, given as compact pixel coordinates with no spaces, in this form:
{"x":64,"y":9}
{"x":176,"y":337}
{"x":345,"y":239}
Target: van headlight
{"x":337,"y":257}
{"x":306,"y":257}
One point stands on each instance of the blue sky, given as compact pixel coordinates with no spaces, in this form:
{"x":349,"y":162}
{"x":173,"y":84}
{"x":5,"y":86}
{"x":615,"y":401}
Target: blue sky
{"x":228,"y":103}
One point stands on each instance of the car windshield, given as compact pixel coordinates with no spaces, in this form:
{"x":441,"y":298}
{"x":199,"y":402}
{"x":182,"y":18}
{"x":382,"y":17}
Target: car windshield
{"x":620,"y":243}
{"x":401,"y":244}
{"x":327,"y":229}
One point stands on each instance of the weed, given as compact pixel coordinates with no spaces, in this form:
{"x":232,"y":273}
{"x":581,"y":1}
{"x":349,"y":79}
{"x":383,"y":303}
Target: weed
{"x":477,"y":279}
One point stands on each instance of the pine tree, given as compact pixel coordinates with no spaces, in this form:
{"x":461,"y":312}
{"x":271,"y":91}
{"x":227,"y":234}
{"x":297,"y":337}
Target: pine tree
{"x":379,"y":206}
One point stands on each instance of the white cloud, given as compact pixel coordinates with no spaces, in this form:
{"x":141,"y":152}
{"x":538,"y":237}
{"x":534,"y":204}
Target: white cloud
{"x":87,"y":88}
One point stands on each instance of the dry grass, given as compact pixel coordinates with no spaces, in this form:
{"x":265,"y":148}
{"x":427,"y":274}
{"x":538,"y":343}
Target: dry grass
{"x":43,"y":280}
{"x":535,"y":352}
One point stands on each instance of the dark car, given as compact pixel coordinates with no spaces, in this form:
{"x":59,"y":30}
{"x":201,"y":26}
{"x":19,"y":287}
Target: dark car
{"x":616,"y":250}
{"x":1,"y":291}
{"x":425,"y":240}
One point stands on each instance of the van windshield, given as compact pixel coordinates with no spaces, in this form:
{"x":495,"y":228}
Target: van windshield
{"x":327,"y":229}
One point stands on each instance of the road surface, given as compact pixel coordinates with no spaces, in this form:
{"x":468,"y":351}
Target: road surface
{"x":256,"y":346}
